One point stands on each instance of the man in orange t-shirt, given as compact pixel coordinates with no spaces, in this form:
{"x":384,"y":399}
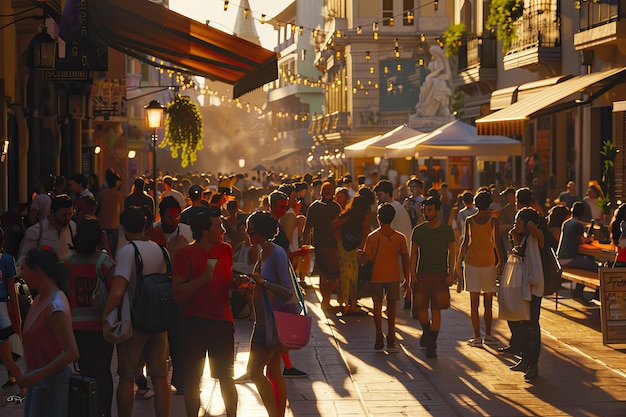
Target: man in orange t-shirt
{"x":384,"y":246}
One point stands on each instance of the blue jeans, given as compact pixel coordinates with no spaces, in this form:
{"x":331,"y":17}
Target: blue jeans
{"x":48,"y":397}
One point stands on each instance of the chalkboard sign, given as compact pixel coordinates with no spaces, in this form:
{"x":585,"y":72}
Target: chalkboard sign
{"x":613,"y":304}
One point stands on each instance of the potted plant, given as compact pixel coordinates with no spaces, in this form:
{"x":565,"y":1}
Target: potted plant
{"x":503,"y":16}
{"x":606,"y":203}
{"x":183,"y":130}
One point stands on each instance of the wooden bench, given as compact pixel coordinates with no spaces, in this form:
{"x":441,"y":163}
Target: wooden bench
{"x":579,"y":276}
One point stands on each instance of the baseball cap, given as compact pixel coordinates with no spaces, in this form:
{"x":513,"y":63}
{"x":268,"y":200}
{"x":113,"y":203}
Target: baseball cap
{"x":202,"y":220}
{"x":195,"y":191}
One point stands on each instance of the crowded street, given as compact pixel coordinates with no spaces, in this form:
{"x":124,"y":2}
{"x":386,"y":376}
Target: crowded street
{"x":579,"y":375}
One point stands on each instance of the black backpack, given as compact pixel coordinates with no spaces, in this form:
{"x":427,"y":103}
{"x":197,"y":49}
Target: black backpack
{"x":350,"y":239}
{"x":153,"y":309}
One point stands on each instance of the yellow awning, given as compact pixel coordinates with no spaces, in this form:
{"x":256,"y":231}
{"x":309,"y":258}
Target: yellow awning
{"x":511,"y":120}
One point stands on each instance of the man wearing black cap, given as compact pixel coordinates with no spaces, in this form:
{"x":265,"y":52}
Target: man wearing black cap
{"x":195,"y":195}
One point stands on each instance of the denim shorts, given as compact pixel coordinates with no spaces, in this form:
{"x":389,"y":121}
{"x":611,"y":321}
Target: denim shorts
{"x":49,"y":396}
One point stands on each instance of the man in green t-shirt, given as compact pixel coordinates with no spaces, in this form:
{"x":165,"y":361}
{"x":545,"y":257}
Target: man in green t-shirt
{"x":433,"y":250}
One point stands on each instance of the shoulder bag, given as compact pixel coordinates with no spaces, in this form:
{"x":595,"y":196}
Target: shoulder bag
{"x":287,"y":325}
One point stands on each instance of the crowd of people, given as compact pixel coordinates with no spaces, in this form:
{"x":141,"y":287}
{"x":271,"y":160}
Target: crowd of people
{"x":233,"y":256}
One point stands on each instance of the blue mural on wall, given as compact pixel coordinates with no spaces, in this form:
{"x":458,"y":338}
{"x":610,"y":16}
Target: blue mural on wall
{"x":400,"y":81}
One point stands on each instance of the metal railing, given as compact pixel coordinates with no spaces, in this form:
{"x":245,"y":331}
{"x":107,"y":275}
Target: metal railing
{"x":594,"y":14}
{"x":477,"y":49}
{"x":538,"y":27}
{"x":329,"y":123}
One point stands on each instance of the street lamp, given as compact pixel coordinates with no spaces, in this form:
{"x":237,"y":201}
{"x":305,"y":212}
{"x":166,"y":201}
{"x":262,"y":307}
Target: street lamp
{"x":242,"y":162}
{"x":154,"y":120}
{"x":43,"y":50}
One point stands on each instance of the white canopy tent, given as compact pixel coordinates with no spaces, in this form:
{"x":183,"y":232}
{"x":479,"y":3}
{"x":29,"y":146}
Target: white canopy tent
{"x":375,"y":146}
{"x":456,"y":138}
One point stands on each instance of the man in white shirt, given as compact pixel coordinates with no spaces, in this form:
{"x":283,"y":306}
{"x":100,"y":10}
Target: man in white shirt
{"x":401,"y":221}
{"x":168,"y":184}
{"x":56,"y":231}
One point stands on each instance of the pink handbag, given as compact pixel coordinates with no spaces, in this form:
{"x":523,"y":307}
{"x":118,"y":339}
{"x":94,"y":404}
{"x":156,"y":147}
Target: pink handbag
{"x":291,"y":331}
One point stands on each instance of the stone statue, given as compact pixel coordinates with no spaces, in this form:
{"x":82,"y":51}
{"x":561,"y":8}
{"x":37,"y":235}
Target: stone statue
{"x":435,"y":91}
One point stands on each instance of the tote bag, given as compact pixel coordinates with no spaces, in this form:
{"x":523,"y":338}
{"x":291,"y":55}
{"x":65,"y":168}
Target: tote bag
{"x":511,"y":305}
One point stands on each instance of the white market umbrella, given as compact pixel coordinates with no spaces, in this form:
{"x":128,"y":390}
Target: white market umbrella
{"x":375,"y":146}
{"x":456,"y":138}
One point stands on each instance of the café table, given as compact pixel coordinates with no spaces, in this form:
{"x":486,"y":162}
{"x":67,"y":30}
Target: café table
{"x":603,"y":252}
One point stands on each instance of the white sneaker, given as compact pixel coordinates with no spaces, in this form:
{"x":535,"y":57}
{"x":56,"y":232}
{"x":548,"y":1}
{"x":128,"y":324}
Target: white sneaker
{"x":475,"y":342}
{"x":490,"y":340}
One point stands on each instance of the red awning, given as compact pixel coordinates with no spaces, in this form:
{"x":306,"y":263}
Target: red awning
{"x":144,"y":29}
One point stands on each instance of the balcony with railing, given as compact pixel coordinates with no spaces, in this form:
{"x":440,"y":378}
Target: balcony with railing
{"x":477,"y":60}
{"x":601,"y":23}
{"x":324,"y":124}
{"x":538,"y":38}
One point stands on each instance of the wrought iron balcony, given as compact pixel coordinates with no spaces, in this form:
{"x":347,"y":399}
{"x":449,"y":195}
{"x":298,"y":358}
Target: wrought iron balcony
{"x":538,"y":38}
{"x":593,"y":14}
{"x":329,"y":123}
{"x":601,"y":23}
{"x":477,"y":50}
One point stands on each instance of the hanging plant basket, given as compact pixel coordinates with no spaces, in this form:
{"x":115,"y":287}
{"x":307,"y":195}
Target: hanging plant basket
{"x":503,"y":17}
{"x":183,"y":130}
{"x":453,"y":38}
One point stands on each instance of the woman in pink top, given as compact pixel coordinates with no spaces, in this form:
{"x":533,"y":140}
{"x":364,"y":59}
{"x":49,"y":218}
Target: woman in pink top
{"x":49,"y":344}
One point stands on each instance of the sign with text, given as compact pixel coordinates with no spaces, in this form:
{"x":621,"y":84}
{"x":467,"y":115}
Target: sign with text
{"x":613,"y":304}
{"x":80,"y":52}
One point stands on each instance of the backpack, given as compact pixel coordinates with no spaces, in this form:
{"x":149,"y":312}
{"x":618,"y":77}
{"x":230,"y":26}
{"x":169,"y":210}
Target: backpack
{"x":350,"y":240}
{"x":153,"y":308}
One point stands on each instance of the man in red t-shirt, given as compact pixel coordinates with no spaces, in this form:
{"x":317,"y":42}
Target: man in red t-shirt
{"x":202,"y":279}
